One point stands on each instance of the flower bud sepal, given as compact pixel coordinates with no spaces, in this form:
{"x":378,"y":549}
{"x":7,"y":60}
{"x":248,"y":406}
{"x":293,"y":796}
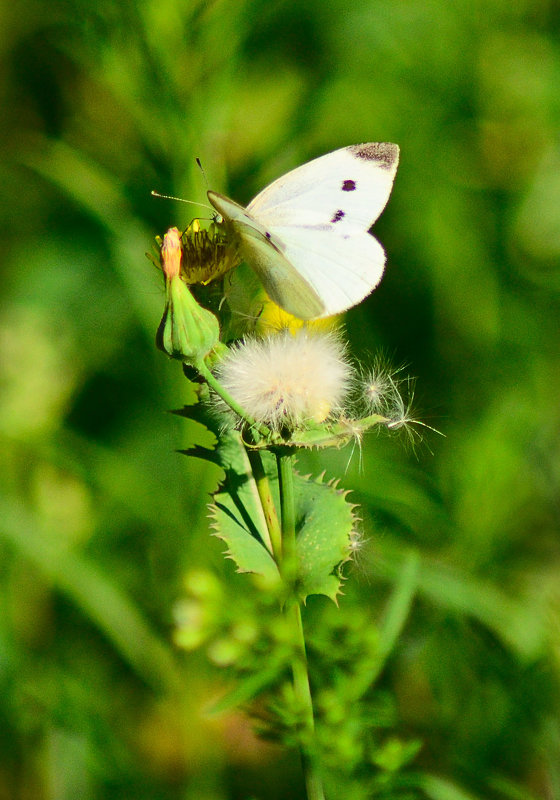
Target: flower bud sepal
{"x":187,"y":331}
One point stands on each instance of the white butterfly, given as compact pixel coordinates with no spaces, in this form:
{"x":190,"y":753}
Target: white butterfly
{"x":306,"y":235}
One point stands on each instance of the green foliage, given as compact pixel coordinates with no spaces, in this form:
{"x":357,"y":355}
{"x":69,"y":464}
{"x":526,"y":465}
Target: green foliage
{"x":324,"y":528}
{"x":234,"y":523}
{"x":324,"y":518}
{"x":357,"y":722}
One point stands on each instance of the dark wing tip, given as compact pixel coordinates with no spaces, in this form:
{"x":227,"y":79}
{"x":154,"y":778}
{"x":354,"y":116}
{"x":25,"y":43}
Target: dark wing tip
{"x":385,"y":153}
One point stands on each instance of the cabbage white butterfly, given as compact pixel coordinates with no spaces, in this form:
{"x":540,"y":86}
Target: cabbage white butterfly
{"x":306,"y":235}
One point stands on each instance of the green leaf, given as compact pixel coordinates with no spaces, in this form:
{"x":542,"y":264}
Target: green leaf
{"x":237,"y":513}
{"x":437,"y":788}
{"x":520,"y":625}
{"x":244,"y":691}
{"x":238,"y":522}
{"x":324,"y":524}
{"x":399,"y":605}
{"x":393,"y":754}
{"x":336,"y":434}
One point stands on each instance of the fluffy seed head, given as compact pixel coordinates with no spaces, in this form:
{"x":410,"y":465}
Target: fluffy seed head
{"x":287,"y":379}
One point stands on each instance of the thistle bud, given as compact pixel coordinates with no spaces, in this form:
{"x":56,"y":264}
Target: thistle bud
{"x":186,"y":331}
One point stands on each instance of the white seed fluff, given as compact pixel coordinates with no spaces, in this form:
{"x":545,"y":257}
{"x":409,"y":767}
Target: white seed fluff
{"x":379,"y":389}
{"x":287,"y":379}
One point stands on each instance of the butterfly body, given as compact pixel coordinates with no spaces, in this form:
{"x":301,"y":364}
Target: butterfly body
{"x":306,"y":234}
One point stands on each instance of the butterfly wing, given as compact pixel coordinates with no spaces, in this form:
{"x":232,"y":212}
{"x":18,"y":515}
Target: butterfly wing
{"x":283,"y":282}
{"x":341,"y":270}
{"x":348,"y":188}
{"x":306,"y":234}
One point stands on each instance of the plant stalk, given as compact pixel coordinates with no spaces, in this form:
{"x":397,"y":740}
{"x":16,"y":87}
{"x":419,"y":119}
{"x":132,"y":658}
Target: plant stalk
{"x":285,"y":465}
{"x":300,"y":671}
{"x":267,"y":502}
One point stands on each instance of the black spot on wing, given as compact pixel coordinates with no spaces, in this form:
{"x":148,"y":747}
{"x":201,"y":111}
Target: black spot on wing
{"x":385,"y":153}
{"x":348,"y":185}
{"x":274,"y":242}
{"x":338,"y":215}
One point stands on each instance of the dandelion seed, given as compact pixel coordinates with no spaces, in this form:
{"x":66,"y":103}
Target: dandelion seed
{"x":355,"y":543}
{"x":378,"y":385}
{"x":288,"y":379}
{"x":357,"y":434}
{"x":401,"y":417}
{"x":377,"y":388}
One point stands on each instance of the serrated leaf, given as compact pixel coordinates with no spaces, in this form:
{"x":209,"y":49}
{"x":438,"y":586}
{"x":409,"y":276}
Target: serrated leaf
{"x":197,"y":410}
{"x":234,"y":524}
{"x":237,"y":512}
{"x":324,"y":523}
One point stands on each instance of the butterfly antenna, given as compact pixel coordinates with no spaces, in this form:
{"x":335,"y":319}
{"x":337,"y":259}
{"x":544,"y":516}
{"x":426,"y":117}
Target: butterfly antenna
{"x":201,"y":168}
{"x":180,"y":200}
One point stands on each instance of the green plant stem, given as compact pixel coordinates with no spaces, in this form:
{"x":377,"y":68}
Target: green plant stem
{"x":285,"y":465}
{"x":267,"y":502}
{"x":300,"y":671}
{"x":302,"y":690}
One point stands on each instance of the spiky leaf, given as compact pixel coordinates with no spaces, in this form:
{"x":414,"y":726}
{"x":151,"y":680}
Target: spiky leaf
{"x":238,"y":518}
{"x":324,"y":524}
{"x":234,"y":527}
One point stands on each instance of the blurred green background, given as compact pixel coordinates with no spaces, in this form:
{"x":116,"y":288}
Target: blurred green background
{"x":100,"y":517}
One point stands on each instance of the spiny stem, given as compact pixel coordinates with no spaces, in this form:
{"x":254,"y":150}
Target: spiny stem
{"x":300,"y":671}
